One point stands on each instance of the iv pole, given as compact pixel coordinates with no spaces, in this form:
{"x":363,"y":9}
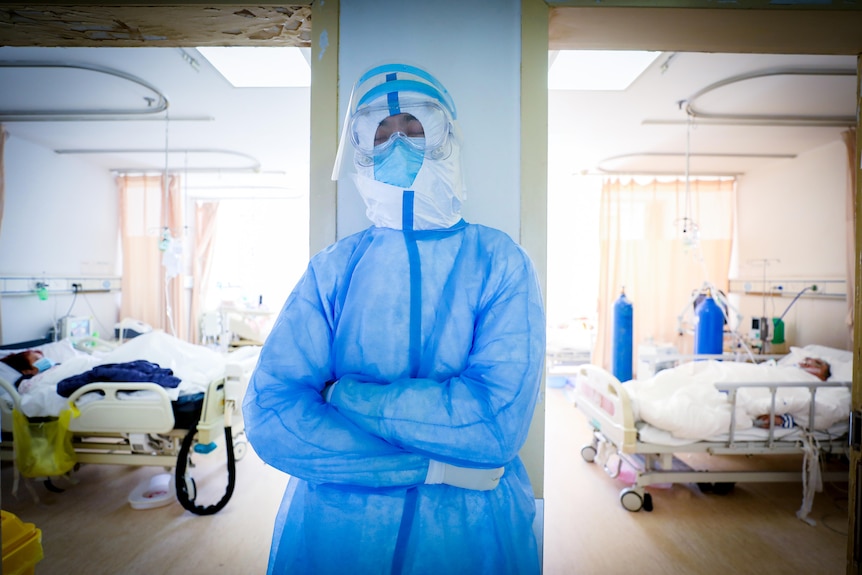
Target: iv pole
{"x":764,"y":323}
{"x":690,"y":229}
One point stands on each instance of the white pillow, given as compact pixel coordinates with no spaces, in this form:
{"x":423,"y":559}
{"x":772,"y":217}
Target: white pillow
{"x":841,"y":372}
{"x":829,"y":354}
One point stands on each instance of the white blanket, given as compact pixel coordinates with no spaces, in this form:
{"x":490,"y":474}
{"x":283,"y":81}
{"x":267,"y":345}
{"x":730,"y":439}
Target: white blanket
{"x":685,"y":402}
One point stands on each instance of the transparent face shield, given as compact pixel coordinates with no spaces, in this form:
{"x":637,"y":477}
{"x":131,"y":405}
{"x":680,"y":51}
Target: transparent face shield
{"x":396,"y":103}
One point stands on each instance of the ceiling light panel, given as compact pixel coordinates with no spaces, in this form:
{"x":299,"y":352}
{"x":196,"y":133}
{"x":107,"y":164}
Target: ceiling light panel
{"x":597,"y":69}
{"x":259,"y":66}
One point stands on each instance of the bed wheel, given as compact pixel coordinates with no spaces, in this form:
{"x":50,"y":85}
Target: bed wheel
{"x":647,"y":502}
{"x":589,"y":452}
{"x":49,"y":485}
{"x":717,"y":488}
{"x":723,"y":488}
{"x":632,"y":500}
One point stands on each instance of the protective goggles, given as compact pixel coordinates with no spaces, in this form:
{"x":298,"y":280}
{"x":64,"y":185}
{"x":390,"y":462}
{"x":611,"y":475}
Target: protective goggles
{"x":424,"y":126}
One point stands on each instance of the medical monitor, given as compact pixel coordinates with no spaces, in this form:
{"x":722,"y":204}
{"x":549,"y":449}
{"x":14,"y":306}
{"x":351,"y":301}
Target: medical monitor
{"x":71,"y":326}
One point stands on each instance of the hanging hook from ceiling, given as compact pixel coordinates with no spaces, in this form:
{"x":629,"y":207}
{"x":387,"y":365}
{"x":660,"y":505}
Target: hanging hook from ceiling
{"x":689,"y":227}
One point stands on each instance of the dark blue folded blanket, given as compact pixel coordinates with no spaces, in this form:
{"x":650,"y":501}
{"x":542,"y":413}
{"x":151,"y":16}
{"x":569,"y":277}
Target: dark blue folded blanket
{"x":137,"y":371}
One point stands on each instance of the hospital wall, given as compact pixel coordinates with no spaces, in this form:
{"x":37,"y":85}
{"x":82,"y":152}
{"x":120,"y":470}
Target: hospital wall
{"x":59,"y":221}
{"x":791,"y":215}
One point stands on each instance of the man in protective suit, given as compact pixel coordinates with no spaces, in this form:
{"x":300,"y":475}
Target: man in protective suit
{"x":398,"y":383}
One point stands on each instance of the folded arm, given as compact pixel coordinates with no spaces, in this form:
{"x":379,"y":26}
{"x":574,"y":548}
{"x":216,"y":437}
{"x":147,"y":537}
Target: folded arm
{"x":291,"y":427}
{"x":479,"y":417}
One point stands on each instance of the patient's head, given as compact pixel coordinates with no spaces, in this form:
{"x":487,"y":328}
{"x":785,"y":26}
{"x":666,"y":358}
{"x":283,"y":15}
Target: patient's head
{"x":24,"y":362}
{"x":816,"y":367}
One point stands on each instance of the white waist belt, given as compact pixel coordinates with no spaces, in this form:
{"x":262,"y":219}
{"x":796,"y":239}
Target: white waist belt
{"x":463,"y":477}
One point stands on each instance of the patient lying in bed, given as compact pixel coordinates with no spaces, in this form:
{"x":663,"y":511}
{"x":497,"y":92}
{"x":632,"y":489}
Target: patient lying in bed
{"x":195,"y":366}
{"x":685,"y":402}
{"x":814,"y":366}
{"x":26,"y":363}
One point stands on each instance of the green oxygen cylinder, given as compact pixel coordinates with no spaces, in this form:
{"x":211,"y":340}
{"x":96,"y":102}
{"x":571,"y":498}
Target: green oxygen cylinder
{"x":777,"y":330}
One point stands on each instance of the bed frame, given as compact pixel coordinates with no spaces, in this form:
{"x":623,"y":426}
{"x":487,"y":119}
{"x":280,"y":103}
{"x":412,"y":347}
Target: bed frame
{"x":606,"y":404}
{"x":143,"y":431}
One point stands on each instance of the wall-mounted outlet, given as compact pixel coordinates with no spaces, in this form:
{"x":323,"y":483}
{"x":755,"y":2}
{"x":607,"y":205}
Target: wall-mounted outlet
{"x":55,"y":285}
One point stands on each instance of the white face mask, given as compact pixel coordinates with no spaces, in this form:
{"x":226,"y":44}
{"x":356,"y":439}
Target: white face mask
{"x":438,"y":195}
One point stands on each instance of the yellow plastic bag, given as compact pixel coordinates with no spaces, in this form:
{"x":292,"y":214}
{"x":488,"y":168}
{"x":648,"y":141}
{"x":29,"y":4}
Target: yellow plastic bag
{"x":43,"y":445}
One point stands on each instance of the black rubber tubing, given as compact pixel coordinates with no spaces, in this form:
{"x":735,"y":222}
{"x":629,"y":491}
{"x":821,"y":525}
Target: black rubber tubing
{"x":182,"y":463}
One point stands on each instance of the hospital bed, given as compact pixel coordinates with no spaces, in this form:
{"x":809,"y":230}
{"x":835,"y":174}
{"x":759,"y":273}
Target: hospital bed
{"x":652,"y":455}
{"x":141,"y":423}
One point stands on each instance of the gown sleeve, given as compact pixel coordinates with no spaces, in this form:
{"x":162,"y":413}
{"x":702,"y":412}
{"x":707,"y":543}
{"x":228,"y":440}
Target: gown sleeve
{"x":479,"y":417}
{"x":290,"y":426}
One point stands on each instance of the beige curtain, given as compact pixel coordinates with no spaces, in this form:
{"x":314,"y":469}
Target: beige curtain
{"x":850,"y":142}
{"x":644,"y":249}
{"x":205,"y":231}
{"x":143,"y":218}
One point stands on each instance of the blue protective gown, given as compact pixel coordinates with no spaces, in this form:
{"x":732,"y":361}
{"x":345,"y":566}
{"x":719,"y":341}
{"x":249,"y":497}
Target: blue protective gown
{"x":437,"y":340}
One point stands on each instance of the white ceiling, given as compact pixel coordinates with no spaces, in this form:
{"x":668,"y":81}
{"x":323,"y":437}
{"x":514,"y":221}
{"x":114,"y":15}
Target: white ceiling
{"x":210,"y":127}
{"x":647,"y":129}
{"x":265,"y":131}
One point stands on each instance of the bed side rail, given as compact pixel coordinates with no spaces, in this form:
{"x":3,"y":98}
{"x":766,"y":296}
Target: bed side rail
{"x":731,"y":389}
{"x":113,"y":413}
{"x":5,"y":407}
{"x":10,"y":389}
